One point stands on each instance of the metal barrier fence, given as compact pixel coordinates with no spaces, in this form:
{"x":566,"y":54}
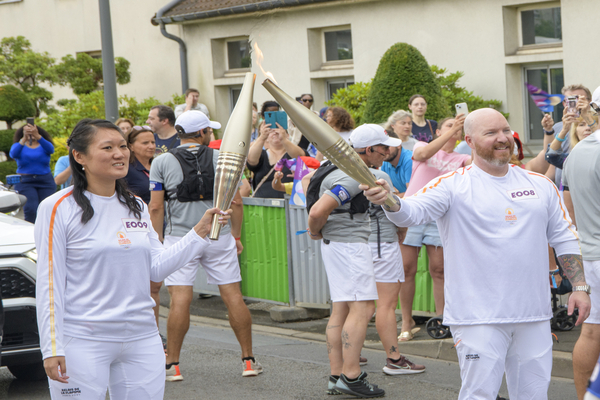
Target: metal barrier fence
{"x":281,"y":267}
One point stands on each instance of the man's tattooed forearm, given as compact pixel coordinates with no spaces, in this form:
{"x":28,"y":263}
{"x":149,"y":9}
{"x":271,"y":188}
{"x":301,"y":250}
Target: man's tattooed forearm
{"x":573,"y":268}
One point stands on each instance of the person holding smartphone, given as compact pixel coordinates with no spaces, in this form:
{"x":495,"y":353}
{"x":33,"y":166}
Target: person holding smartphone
{"x":32,"y":148}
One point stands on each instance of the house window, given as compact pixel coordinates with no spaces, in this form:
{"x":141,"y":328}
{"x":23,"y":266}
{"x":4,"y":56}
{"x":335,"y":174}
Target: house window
{"x":550,"y":79}
{"x":234,"y":95}
{"x":541,"y":26}
{"x":238,"y":54}
{"x":334,"y":85}
{"x":338,"y":45}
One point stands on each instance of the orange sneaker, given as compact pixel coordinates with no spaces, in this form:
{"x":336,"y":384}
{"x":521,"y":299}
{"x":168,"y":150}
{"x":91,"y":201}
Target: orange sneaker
{"x":173,"y":374}
{"x":252,"y":368}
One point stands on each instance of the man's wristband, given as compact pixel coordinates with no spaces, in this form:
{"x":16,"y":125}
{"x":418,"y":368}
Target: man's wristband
{"x":310,"y":233}
{"x":238,"y":239}
{"x":592,"y":124}
{"x":549,"y":132}
{"x":554,"y":272}
{"x":559,"y":139}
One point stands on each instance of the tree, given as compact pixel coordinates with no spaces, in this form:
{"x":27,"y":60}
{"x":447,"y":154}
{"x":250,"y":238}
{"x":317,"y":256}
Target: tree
{"x":454,"y":94}
{"x":27,"y":69}
{"x":84,"y":73}
{"x":353,"y":99}
{"x":402,"y":72}
{"x":14,"y":105}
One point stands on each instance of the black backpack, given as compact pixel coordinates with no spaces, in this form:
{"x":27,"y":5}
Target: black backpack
{"x":358,"y":205}
{"x":198,"y":174}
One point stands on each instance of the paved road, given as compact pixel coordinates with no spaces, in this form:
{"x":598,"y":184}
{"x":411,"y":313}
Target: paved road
{"x":294,"y":369}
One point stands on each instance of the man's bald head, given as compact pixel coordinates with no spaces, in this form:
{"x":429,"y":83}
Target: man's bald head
{"x":475,"y":119}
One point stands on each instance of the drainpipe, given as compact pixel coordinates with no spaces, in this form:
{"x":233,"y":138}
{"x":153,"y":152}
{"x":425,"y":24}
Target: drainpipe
{"x":182,"y":47}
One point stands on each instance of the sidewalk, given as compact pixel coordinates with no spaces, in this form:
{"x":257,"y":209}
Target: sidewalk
{"x":211,"y":310}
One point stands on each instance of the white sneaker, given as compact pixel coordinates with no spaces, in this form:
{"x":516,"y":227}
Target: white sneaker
{"x":173,"y":374}
{"x":252,"y":368}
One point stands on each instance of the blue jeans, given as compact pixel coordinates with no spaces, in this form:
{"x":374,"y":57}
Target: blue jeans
{"x":36,"y":188}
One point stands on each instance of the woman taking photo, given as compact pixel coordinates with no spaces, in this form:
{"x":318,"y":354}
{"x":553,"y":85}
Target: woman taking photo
{"x":32,"y":148}
{"x":400,"y":122}
{"x":261,"y":161}
{"x":422,"y":129}
{"x":97,"y":251}
{"x":141,"y":146}
{"x":430,"y":160}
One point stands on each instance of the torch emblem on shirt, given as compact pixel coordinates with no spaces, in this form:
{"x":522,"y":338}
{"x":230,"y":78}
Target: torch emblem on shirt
{"x":122,"y":239}
{"x":510,"y":216}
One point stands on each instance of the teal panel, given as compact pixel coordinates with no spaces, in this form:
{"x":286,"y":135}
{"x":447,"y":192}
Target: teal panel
{"x":264,"y":261}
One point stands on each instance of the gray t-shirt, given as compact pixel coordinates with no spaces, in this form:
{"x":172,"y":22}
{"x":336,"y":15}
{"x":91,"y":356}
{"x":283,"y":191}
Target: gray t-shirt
{"x":181,"y":217}
{"x":388,"y":232}
{"x":581,"y":173}
{"x":340,"y":227}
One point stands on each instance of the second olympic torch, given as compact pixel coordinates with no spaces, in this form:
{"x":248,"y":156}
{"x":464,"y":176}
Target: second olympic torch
{"x":325,"y":139}
{"x":233,"y":152}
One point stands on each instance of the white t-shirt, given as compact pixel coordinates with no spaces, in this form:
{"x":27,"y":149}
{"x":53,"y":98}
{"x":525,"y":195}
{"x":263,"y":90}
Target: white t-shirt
{"x":495,"y":232}
{"x":93,"y":279}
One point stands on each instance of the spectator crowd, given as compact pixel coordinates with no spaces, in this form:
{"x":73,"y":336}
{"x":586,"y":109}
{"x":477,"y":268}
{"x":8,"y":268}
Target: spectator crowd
{"x":464,"y":194}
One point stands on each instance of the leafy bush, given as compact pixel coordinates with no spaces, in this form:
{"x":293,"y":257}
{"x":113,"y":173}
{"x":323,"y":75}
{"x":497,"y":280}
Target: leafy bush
{"x":14,"y":105}
{"x":454,"y":94}
{"x":6,"y":140}
{"x":7,"y":168}
{"x":403,"y":72}
{"x":130,"y":108}
{"x":61,"y":123}
{"x":60,"y":149}
{"x":353,"y":99}
{"x":84,"y":73}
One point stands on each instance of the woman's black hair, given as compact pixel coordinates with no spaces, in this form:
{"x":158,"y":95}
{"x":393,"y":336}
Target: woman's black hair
{"x":267,"y":104}
{"x":80,"y":140}
{"x":19,"y":135}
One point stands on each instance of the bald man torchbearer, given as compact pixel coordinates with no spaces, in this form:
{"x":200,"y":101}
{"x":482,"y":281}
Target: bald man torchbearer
{"x":496,"y":221}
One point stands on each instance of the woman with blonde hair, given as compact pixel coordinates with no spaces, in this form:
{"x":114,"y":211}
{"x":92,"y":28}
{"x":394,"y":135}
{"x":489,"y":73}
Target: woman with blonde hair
{"x":400,"y":122}
{"x":125,"y":125}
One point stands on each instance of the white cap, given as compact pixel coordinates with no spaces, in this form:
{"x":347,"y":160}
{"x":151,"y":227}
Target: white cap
{"x":372,"y":135}
{"x":193,"y":121}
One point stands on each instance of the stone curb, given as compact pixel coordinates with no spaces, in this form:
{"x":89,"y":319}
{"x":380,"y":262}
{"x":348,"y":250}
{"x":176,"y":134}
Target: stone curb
{"x":562,"y":362}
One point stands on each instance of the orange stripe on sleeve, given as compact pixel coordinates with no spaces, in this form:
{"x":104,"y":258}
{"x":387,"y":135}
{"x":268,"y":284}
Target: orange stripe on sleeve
{"x":51,"y":271}
{"x":559,"y":201}
{"x":458,"y":171}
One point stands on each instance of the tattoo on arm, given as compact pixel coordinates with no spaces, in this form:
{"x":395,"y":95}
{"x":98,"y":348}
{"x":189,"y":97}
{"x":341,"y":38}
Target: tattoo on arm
{"x":346,"y":340}
{"x":572,"y":266}
{"x":329,"y":345}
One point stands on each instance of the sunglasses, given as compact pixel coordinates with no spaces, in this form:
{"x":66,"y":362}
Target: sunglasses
{"x":139,"y":128}
{"x":307,"y":100}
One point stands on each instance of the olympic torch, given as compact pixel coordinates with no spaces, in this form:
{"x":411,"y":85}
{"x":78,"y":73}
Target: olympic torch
{"x":325,"y":139}
{"x":233,"y":152}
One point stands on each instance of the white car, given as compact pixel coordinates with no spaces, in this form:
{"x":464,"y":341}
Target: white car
{"x":20,"y":350}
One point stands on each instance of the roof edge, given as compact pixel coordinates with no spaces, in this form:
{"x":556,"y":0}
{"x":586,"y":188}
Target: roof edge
{"x":241,"y":9}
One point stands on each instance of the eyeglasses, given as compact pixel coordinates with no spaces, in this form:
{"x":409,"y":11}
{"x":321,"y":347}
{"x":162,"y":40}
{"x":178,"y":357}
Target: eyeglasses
{"x":307,"y":100}
{"x":139,"y":128}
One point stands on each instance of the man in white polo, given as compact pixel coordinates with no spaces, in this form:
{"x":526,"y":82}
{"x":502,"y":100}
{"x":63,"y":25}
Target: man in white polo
{"x":496,"y":221}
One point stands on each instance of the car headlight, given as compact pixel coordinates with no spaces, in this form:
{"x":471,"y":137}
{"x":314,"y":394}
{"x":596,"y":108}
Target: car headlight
{"x":31,"y":254}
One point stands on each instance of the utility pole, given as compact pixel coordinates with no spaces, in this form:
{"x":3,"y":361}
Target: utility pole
{"x":109,"y":74}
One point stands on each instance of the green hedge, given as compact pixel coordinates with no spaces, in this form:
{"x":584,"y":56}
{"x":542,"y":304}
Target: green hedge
{"x":7,"y":168}
{"x":6,"y":140}
{"x":402,"y":72}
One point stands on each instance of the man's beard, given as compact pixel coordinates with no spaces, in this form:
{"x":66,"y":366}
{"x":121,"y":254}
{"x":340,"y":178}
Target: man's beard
{"x":488,"y":154}
{"x":393,"y":153}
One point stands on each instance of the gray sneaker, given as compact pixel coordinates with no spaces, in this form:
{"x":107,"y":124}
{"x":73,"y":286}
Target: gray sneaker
{"x":331,"y":386}
{"x":359,"y":388}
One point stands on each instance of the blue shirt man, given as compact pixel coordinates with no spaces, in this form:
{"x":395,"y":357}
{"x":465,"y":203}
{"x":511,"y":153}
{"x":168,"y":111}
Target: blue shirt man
{"x":399,"y":167}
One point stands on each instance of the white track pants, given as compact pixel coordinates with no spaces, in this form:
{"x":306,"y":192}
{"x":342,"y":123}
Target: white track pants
{"x":130,"y":370}
{"x":485,"y":352}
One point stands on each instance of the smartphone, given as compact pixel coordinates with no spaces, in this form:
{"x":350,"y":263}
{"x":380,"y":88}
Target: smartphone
{"x":572,"y":105}
{"x":273,"y":117}
{"x":595,"y":108}
{"x":31,"y":120}
{"x":461,"y":108}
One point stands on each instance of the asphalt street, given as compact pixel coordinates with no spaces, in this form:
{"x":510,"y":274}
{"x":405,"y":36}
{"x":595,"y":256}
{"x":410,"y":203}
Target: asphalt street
{"x":294,"y":369}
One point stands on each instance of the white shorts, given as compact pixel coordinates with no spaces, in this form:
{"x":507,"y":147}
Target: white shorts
{"x":486,"y":352}
{"x":219,"y":260}
{"x":592,"y":278}
{"x":130,"y":370}
{"x":349,"y":270}
{"x":389,"y":267}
